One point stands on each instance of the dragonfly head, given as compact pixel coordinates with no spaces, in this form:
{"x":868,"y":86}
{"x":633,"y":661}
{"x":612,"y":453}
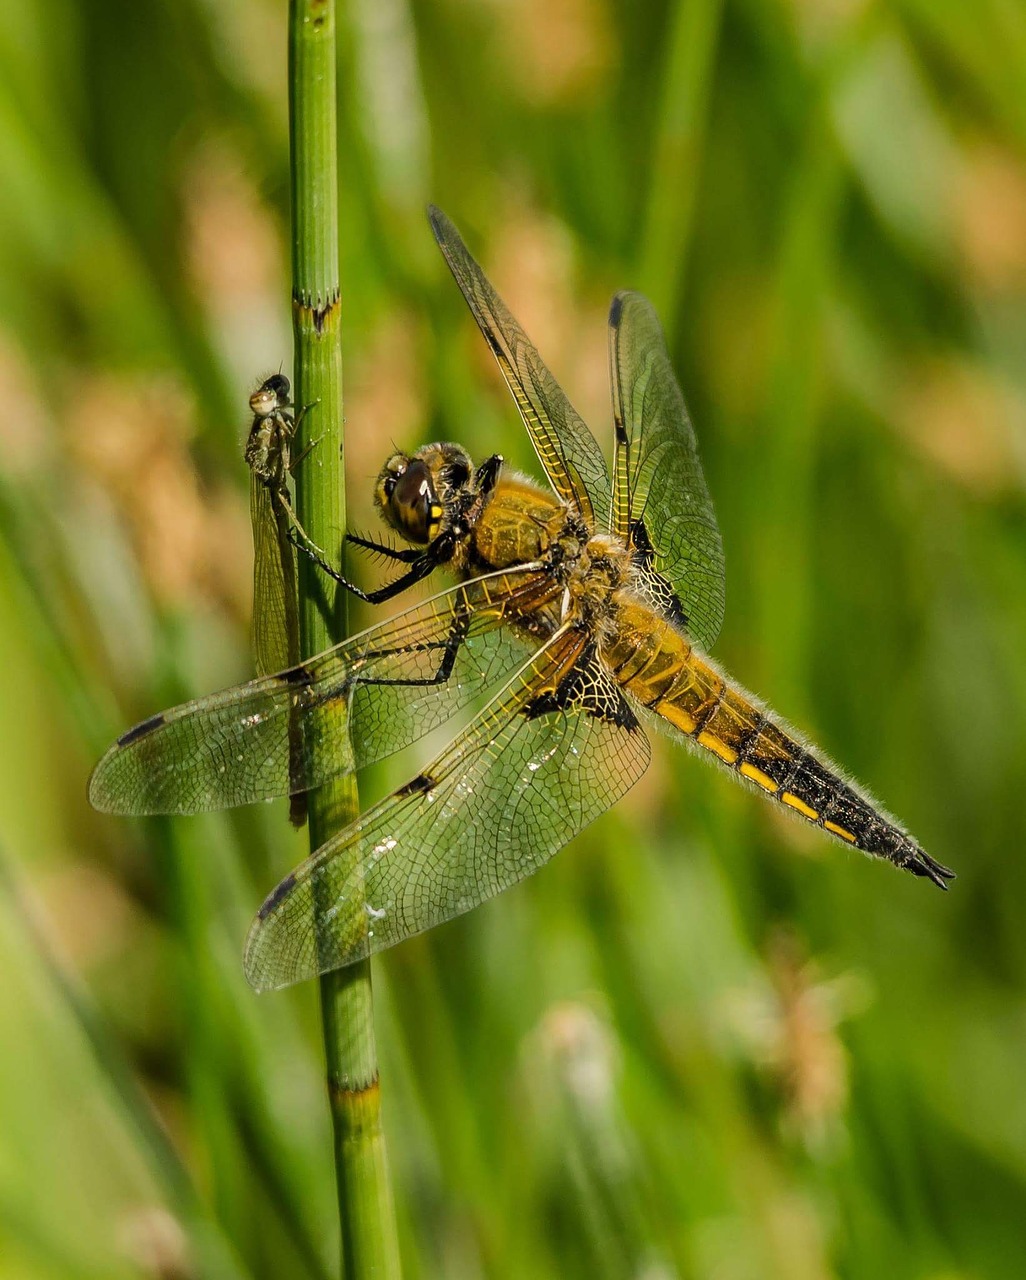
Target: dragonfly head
{"x":273,"y":394}
{"x":414,"y":492}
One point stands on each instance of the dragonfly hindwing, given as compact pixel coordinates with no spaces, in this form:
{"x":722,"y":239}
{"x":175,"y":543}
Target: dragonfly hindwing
{"x":587,"y":687}
{"x":651,"y":584}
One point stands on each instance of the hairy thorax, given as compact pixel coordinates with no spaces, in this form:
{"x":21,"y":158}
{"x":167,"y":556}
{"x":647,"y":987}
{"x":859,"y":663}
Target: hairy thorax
{"x":519,"y":524}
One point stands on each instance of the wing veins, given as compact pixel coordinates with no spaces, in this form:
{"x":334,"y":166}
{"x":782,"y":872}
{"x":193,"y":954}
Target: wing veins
{"x":567,"y":450}
{"x":496,"y":804}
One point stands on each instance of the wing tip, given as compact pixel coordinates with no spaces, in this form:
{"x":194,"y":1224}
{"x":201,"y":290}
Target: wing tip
{"x":261,"y":975}
{"x":439,"y":220}
{"x":96,"y":792}
{"x":624,"y":298}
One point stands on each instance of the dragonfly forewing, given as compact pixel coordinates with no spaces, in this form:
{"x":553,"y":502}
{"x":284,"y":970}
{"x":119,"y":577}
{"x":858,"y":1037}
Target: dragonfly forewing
{"x":368,"y":697}
{"x":565,"y":447}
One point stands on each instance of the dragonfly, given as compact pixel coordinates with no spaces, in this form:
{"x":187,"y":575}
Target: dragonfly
{"x":268,"y":453}
{"x":582,"y":613}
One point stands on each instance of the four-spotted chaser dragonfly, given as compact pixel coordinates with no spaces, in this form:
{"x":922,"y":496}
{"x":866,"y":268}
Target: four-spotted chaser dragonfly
{"x":585,"y":609}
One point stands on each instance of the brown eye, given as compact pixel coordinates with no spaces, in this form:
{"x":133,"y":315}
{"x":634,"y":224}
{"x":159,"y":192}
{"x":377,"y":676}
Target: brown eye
{"x":279,"y":385}
{"x":412,"y":503}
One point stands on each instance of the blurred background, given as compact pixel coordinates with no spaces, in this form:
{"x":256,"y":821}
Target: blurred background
{"x":705,"y":1042}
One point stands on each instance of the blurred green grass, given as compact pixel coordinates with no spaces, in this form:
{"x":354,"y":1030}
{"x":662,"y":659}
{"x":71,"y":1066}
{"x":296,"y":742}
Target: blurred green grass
{"x":703,"y":1042}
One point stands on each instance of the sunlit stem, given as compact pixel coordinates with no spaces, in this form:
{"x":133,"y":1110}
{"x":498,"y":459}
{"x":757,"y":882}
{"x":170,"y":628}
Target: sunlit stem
{"x":366,"y":1210}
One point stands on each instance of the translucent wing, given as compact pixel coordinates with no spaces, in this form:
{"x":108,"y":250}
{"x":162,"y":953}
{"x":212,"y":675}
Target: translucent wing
{"x":661,"y":505}
{"x":275,"y":625}
{"x":551,"y":752}
{"x":275,"y":631}
{"x":387,"y":686}
{"x":566,"y":448}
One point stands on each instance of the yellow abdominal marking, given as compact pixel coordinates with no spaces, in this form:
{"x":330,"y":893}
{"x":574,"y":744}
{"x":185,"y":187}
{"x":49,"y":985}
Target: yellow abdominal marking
{"x":677,"y":715}
{"x":758,"y":777}
{"x":839,"y":831}
{"x":717,"y":747}
{"x":790,"y":798}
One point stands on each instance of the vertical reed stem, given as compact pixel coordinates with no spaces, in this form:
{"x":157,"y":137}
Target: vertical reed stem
{"x":366,"y":1210}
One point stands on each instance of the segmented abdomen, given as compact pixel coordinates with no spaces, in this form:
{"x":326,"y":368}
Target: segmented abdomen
{"x":663,"y":672}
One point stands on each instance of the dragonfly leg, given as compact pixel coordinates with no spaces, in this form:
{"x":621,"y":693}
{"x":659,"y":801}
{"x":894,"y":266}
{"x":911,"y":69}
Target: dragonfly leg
{"x":488,"y":473}
{"x":299,"y":418}
{"x":427,"y":561}
{"x":449,"y":647}
{"x":407,"y":555}
{"x":297,"y":531}
{"x":312,"y":444}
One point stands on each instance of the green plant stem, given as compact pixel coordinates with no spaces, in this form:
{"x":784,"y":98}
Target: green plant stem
{"x":366,"y":1210}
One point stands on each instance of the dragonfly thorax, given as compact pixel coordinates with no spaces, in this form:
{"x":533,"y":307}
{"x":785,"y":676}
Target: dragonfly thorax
{"x":600,"y":568}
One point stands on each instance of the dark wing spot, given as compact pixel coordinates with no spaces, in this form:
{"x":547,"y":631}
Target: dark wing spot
{"x":656,"y":587}
{"x":276,"y":895}
{"x":141,"y":730}
{"x":587,"y":687}
{"x":644,"y":552}
{"x":297,"y":675}
{"x":542,"y":705}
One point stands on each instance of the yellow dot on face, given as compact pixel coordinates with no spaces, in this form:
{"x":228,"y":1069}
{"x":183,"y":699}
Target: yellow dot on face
{"x":758,"y":777}
{"x":717,"y":747}
{"x":839,"y":831}
{"x":791,"y":799}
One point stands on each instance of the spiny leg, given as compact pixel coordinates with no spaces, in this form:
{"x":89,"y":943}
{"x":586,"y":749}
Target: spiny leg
{"x":426,"y":562}
{"x":406,"y":555}
{"x":449,"y":647}
{"x":297,"y":531}
{"x":297,"y":461}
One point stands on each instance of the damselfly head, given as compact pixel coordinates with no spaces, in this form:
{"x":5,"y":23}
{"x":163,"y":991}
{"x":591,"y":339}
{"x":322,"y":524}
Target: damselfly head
{"x":274,"y":393}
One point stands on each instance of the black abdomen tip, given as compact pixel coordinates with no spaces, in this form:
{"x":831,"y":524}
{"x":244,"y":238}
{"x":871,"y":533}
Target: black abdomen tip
{"x":921,"y":864}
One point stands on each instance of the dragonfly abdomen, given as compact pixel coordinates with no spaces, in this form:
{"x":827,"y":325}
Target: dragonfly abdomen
{"x":670,"y":678}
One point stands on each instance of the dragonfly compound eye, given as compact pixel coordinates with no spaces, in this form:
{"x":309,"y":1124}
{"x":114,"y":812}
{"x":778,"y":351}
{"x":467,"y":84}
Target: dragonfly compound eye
{"x":272,"y":394}
{"x":412,"y":507}
{"x":280,"y":386}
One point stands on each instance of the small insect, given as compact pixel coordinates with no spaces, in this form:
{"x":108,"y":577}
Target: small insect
{"x":584,"y":608}
{"x":275,"y":626}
